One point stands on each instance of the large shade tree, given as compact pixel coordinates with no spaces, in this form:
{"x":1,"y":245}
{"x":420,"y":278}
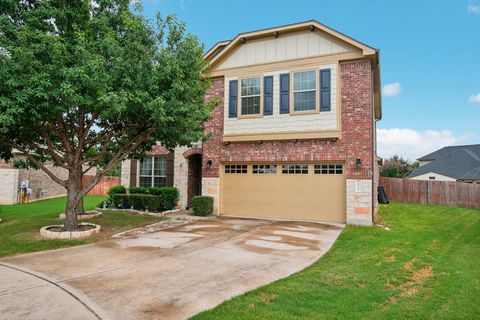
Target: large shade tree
{"x":86,"y":84}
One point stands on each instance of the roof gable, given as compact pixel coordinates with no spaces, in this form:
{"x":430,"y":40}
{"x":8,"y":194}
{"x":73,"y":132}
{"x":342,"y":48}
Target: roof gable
{"x":294,"y":45}
{"x":324,"y":40}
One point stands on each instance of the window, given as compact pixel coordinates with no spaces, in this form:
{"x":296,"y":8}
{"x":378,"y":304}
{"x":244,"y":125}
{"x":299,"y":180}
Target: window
{"x":264,"y":169}
{"x":153,"y":172}
{"x":295,"y":169}
{"x":304,"y":91}
{"x":250,"y":96}
{"x":328,"y":169}
{"x":236,"y":168}
{"x":431,"y":178}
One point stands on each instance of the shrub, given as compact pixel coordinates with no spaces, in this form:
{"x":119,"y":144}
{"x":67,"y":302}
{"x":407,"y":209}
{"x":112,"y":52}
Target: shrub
{"x":202,"y":206}
{"x":137,"y":202}
{"x":169,"y":195}
{"x":116,"y":190}
{"x":138,"y":190}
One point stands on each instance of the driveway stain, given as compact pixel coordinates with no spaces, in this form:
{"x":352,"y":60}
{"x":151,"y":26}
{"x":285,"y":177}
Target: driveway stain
{"x":175,"y":272}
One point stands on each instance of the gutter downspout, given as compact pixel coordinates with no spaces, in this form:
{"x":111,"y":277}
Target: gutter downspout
{"x":374,"y":134}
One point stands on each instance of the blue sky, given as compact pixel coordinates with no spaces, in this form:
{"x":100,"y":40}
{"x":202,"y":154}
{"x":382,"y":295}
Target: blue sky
{"x":430,"y":57}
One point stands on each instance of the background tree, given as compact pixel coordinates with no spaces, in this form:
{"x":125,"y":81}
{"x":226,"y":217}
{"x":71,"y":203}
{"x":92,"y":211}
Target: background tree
{"x":397,"y":167}
{"x":84,"y":83}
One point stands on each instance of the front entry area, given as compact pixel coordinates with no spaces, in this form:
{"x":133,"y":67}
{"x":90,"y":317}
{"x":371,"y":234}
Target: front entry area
{"x":194,"y":177}
{"x":296,"y":191}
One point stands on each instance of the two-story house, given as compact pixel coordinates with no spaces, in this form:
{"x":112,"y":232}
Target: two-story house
{"x":294,"y":136}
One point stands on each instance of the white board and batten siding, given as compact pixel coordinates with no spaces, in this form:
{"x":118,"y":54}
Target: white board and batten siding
{"x":292,"y":46}
{"x":325,"y":120}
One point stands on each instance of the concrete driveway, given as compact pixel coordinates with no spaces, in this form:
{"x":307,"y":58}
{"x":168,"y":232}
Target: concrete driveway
{"x":169,"y":274}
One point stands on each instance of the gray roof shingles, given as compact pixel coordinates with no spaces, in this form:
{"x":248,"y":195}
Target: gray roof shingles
{"x":459,"y":162}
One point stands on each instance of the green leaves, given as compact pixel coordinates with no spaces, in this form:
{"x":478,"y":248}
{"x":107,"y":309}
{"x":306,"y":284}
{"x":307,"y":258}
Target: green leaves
{"x":89,"y":78}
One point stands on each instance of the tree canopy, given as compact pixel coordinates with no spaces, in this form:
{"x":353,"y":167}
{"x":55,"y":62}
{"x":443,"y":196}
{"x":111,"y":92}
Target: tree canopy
{"x":397,"y":167}
{"x":87,"y":83}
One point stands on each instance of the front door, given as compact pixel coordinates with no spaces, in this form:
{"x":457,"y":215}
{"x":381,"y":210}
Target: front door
{"x":194,"y":177}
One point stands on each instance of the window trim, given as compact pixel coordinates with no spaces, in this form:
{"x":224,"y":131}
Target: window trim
{"x":336,"y":168}
{"x":300,"y":171}
{"x":238,"y":166}
{"x":317,"y":91}
{"x":274,"y":165}
{"x":239,"y":98}
{"x":152,"y":176}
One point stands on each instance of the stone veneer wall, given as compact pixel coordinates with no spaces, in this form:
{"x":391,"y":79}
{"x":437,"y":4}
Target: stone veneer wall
{"x":359,"y":201}
{"x":8,"y":185}
{"x":180,"y":175}
{"x":180,"y":171}
{"x":211,"y":187}
{"x":356,"y":140}
{"x":125,"y":173}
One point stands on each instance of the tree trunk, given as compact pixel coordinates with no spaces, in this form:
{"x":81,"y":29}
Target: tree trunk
{"x":74,"y":202}
{"x":80,"y":208}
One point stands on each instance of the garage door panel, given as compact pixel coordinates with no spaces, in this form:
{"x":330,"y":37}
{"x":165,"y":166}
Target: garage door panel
{"x":290,"y":196}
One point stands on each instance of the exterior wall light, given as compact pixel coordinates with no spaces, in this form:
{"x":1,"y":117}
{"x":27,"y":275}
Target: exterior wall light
{"x":358,"y":163}
{"x":208,"y":164}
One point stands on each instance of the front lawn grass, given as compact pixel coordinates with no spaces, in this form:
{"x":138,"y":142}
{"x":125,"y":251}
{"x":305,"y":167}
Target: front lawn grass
{"x":426,"y":267}
{"x":20,"y":226}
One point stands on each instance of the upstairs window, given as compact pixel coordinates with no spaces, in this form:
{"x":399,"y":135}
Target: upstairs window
{"x":250,"y":96}
{"x":153,"y":172}
{"x":304,"y":91}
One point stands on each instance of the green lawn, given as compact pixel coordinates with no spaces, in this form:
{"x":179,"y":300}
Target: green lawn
{"x":20,"y":226}
{"x":426,"y":267}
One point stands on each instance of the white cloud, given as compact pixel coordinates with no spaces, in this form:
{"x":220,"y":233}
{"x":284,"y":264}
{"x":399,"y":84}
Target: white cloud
{"x":392,"y":89}
{"x":413,"y":144}
{"x":474,"y":99}
{"x":472,"y":8}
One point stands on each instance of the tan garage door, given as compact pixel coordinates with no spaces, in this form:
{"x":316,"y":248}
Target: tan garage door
{"x":290,"y":191}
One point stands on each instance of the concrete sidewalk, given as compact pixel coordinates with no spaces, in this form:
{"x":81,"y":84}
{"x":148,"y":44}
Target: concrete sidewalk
{"x":170,"y":274}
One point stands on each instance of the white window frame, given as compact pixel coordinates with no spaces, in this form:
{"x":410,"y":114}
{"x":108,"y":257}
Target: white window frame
{"x":152,"y":176}
{"x":293,"y":91}
{"x":241,"y":97}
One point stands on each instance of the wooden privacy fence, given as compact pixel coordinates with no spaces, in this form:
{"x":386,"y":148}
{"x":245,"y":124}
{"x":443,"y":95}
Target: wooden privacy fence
{"x":102,"y":187}
{"x":457,"y":194}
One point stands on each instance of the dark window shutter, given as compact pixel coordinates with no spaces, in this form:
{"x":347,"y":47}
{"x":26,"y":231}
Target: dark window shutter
{"x":133,"y":173}
{"x":325,"y":90}
{"x":169,"y":171}
{"x":232,"y":100}
{"x":268,"y":95}
{"x":284,"y":93}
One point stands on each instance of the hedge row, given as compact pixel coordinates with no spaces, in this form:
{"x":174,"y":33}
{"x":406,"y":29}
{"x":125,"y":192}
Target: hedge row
{"x":166,"y":197}
{"x":136,"y":201}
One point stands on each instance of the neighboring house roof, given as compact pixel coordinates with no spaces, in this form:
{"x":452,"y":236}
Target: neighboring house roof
{"x":223,"y":48}
{"x":459,"y":162}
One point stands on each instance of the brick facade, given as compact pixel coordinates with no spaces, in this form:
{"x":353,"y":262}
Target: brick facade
{"x":356,"y":131}
{"x":356,"y":142}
